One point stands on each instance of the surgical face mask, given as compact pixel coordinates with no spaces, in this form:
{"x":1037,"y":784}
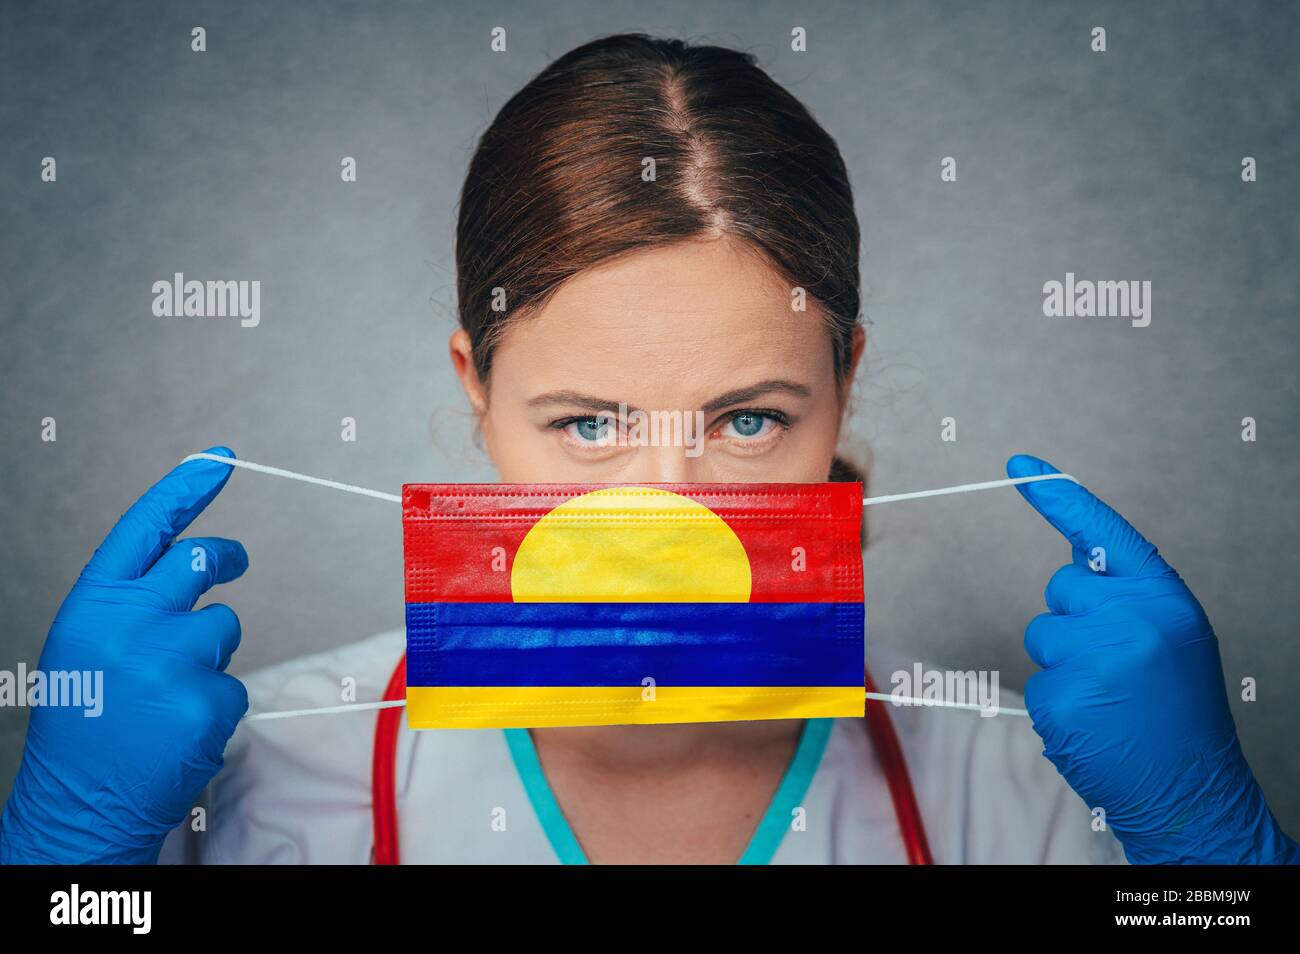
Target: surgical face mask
{"x":586,"y":553}
{"x":565,"y":605}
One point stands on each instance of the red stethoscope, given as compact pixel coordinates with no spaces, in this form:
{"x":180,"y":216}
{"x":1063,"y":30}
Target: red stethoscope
{"x":383,"y":782}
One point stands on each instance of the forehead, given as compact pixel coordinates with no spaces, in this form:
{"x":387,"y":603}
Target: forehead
{"x":673,"y":323}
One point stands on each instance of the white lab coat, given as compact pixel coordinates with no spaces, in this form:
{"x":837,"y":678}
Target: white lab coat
{"x":297,"y":791}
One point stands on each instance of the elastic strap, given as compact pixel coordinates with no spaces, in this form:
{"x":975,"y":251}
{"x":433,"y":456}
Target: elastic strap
{"x":396,"y":498}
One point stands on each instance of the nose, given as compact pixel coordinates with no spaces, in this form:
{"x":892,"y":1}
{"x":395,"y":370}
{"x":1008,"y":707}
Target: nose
{"x":668,"y":447}
{"x":662,"y":465}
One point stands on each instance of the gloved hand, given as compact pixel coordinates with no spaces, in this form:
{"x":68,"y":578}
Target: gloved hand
{"x":1130,"y":702}
{"x":108,"y":789}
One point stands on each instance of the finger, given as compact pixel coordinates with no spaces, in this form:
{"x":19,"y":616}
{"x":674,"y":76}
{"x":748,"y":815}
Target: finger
{"x":191,"y":567}
{"x":229,"y":697}
{"x":1044,"y":690}
{"x":153,"y":521}
{"x":1086,"y":521}
{"x":1051,"y":640}
{"x":210,"y":636}
{"x":1076,"y":589}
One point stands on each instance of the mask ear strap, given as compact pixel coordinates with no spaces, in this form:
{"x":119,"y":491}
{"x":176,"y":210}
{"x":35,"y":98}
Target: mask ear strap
{"x":292,"y":475}
{"x":395,"y":498}
{"x":944,"y":704}
{"x":388,"y":703}
{"x":966,"y":488}
{"x":395,"y":701}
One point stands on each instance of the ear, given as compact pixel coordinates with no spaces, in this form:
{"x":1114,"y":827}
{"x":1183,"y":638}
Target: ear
{"x":855,"y":357}
{"x":462,"y":360}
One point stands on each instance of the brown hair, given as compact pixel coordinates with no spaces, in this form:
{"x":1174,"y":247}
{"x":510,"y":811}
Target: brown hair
{"x":556,"y":185}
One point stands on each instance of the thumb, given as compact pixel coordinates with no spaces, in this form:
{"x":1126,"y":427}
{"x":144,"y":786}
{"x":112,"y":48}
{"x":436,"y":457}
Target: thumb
{"x":1086,"y":521}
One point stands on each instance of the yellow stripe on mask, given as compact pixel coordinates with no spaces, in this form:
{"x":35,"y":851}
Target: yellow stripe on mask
{"x":520,"y":707}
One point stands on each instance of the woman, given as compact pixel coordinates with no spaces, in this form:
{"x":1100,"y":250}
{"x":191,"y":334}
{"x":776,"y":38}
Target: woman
{"x":658,"y":226}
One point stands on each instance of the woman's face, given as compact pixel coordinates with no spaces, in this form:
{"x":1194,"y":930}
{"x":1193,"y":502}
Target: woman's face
{"x":717,"y":377}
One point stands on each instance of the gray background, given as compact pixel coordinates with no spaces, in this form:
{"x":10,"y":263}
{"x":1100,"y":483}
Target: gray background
{"x":1123,"y":165}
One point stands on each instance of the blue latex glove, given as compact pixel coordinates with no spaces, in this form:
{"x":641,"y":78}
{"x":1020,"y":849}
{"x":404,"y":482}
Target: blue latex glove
{"x":1131,"y":703}
{"x":107,"y":790}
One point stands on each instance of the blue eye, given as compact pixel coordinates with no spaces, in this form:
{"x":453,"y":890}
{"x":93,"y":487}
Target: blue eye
{"x":749,"y":424}
{"x":590,"y":430}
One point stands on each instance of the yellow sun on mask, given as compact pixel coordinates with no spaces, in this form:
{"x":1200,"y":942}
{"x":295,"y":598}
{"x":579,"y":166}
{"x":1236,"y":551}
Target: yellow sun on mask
{"x":633,"y":545}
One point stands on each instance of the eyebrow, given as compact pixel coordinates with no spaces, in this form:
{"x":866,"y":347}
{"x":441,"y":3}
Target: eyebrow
{"x":728,"y":399}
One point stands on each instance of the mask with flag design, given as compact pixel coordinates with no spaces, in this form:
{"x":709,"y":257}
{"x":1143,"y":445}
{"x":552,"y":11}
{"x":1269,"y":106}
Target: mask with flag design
{"x":531,"y":605}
